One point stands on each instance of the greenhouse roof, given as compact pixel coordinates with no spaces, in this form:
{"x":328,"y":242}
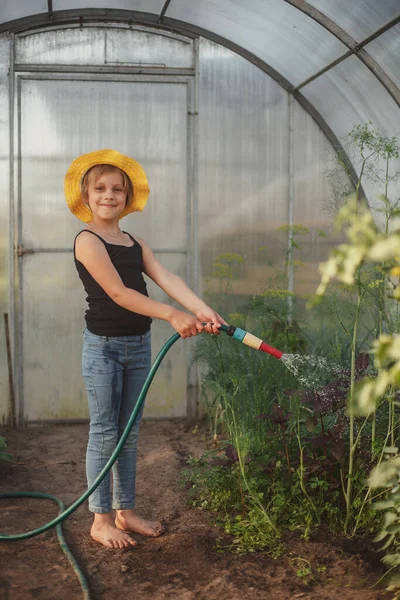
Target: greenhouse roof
{"x":339,"y":58}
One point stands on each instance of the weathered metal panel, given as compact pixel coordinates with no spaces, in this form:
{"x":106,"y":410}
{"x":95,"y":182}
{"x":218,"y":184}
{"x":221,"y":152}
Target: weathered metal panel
{"x":5,"y":45}
{"x":243,"y":168}
{"x":141,"y":5}
{"x":72,"y":46}
{"x":146,"y":48}
{"x":91,"y":46}
{"x":144,"y":119}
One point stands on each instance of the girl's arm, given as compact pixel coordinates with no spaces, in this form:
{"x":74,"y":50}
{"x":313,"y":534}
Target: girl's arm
{"x":177,"y":289}
{"x":90,"y":251}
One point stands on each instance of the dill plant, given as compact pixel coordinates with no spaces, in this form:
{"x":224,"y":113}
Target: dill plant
{"x":375,"y":396}
{"x":375,"y":247}
{"x":366,"y":281}
{"x":251,"y":412}
{"x":286,"y":453}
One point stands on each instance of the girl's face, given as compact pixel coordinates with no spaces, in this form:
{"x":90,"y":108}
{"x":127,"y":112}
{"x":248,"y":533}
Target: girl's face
{"x":106,"y":196}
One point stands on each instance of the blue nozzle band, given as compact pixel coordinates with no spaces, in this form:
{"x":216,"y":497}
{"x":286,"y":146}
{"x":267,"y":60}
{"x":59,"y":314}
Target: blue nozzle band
{"x":239,"y":334}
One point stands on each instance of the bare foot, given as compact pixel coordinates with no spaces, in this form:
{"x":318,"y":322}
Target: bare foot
{"x":105,"y":532}
{"x":128,"y":520}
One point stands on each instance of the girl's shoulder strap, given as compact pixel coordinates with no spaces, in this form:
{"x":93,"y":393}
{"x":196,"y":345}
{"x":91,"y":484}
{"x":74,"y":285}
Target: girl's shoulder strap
{"x":87,"y":231}
{"x":132,"y":238}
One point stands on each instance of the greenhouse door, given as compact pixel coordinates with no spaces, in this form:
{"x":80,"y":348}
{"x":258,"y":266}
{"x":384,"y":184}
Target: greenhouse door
{"x":58,"y":117}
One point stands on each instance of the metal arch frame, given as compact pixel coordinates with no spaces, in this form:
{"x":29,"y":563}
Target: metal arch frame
{"x":354,"y":47}
{"x":70,"y":17}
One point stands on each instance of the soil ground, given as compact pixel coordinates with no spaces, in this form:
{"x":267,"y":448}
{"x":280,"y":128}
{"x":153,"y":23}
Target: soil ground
{"x":182,"y":564}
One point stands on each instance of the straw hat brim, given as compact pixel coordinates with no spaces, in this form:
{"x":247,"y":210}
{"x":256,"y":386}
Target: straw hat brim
{"x":78,"y":168}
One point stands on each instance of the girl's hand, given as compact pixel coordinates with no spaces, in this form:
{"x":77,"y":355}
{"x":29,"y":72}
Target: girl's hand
{"x":212,"y":319}
{"x":185,"y":324}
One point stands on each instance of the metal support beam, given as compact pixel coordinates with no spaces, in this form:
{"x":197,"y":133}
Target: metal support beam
{"x":353,"y":46}
{"x":106,"y":69}
{"x":164,"y":10}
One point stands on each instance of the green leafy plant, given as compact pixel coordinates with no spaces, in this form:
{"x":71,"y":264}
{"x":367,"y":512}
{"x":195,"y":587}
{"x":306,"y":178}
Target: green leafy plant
{"x":368,"y":283}
{"x":288,"y":450}
{"x":369,"y":248}
{"x":3,"y":454}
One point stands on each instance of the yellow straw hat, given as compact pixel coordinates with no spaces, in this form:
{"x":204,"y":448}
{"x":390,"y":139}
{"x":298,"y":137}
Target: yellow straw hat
{"x":78,"y":168}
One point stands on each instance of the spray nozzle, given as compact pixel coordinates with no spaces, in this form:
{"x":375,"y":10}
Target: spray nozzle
{"x":250,"y":340}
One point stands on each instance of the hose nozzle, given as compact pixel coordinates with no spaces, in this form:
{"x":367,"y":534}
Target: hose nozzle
{"x":250,"y":340}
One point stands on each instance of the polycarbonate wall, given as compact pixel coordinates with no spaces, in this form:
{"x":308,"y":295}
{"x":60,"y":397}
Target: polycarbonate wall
{"x":360,"y":18}
{"x":386,"y":51}
{"x":348,"y":95}
{"x":313,"y":198}
{"x":246,"y":183}
{"x":295,"y":52}
{"x":243,"y":166}
{"x":297,"y":47}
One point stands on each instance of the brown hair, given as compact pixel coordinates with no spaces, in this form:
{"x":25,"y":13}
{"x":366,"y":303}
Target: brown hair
{"x":97,"y":171}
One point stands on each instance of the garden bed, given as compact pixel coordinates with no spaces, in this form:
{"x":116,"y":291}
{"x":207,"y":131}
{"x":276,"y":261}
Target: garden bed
{"x":182,"y":564}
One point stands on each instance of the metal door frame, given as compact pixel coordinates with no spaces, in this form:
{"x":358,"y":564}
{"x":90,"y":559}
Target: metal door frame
{"x":17,"y":251}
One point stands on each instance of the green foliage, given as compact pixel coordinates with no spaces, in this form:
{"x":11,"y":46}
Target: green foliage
{"x":374,"y":251}
{"x":292,"y":447}
{"x":368,"y":140}
{"x":210,"y":486}
{"x":3,"y":445}
{"x":366,"y":243}
{"x":226,"y":265}
{"x":252,"y":413}
{"x":250,"y":533}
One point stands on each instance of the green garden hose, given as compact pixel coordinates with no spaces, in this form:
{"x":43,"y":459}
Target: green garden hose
{"x":236,"y":333}
{"x":64,"y":513}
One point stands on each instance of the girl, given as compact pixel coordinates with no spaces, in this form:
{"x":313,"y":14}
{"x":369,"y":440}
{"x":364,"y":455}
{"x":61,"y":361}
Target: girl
{"x":101,"y":187}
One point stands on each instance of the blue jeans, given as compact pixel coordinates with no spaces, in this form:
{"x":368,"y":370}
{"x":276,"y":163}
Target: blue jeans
{"x":114,"y":370}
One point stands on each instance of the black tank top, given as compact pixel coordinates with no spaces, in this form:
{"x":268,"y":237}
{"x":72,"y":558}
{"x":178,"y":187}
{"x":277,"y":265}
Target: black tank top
{"x":104,"y":316}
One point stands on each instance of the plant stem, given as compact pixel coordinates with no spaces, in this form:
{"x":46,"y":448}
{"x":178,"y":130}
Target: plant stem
{"x":369,"y":489}
{"x":353,"y":446}
{"x":242,"y":467}
{"x":286,"y":449}
{"x":301,"y":478}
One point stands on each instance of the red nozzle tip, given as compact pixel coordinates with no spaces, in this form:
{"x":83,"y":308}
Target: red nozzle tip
{"x":270,"y":350}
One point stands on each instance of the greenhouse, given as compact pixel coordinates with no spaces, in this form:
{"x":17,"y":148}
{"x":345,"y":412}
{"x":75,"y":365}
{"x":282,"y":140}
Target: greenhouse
{"x":269,"y":132}
{"x":234,"y":109}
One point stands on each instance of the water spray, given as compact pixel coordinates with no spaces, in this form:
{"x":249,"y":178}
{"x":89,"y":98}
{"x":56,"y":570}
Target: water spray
{"x":297,"y":364}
